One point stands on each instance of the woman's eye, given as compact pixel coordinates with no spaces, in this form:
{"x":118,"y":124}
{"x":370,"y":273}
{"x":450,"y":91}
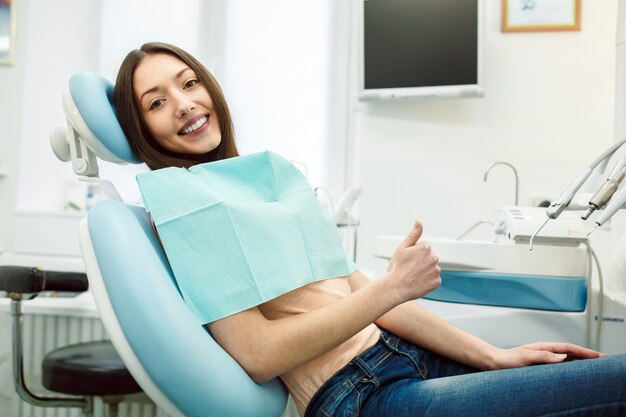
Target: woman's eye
{"x":156,"y":104}
{"x":191,"y":83}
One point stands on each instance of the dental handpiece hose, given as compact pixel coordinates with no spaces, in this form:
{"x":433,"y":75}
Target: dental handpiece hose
{"x":557,"y":206}
{"x":616,"y":203}
{"x":604,"y":194}
{"x":561,"y":203}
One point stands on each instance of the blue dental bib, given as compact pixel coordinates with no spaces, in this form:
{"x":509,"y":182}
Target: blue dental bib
{"x":241,"y":231}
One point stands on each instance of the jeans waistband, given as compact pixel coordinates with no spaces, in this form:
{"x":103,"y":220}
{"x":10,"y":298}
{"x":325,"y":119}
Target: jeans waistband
{"x":362,"y":367}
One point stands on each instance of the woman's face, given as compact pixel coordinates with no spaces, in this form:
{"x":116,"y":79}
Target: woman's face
{"x":176,"y":108}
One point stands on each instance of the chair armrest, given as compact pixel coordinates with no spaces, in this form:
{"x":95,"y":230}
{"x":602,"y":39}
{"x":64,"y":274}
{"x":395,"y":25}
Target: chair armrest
{"x":28,"y":280}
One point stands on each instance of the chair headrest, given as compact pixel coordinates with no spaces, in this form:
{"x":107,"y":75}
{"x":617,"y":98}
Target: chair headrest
{"x":89,"y":105}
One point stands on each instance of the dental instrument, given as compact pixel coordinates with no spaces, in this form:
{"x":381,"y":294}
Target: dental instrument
{"x":536,"y":233}
{"x":604,"y":194}
{"x":562,"y":202}
{"x":600,"y":198}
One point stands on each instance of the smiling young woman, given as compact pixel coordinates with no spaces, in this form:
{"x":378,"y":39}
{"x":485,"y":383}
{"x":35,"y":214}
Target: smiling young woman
{"x":165,"y":88}
{"x":346,"y":345}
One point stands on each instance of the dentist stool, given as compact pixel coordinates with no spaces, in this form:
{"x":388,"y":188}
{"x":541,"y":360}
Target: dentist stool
{"x":83,"y":370}
{"x":164,"y":346}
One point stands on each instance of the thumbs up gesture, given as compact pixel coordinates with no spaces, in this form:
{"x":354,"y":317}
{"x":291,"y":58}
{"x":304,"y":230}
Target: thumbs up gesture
{"x":413,"y":270}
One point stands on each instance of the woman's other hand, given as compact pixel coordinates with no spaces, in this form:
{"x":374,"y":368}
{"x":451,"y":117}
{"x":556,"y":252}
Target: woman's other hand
{"x":541,"y":353}
{"x":413,"y":270}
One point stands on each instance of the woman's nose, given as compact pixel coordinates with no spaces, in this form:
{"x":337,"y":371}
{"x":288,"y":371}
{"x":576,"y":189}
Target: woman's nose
{"x":184,"y":106}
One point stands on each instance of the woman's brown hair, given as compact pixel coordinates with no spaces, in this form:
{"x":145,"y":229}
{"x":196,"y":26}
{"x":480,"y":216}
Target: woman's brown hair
{"x":133,"y":125}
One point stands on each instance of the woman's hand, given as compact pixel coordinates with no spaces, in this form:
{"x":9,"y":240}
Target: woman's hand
{"x":413,"y":271}
{"x":540,"y":353}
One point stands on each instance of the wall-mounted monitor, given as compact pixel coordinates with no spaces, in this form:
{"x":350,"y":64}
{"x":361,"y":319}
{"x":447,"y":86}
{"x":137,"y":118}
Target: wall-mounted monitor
{"x":421,"y":48}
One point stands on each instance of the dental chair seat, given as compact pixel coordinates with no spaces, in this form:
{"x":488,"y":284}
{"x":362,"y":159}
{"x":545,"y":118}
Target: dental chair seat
{"x":165,"y":347}
{"x":91,"y":369}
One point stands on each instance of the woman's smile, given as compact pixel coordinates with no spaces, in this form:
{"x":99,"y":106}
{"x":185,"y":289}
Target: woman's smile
{"x":195,"y":126}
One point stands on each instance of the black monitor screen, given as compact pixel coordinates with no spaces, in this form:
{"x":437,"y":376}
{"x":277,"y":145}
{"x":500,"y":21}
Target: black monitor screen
{"x":420,"y":43}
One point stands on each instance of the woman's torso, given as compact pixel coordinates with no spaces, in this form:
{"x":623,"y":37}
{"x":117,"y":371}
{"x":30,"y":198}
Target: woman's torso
{"x":304,"y":380}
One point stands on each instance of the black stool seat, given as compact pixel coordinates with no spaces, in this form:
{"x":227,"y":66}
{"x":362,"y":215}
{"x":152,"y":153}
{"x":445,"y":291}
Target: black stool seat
{"x":91,"y":368}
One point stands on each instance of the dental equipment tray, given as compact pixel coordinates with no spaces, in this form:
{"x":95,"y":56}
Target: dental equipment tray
{"x":506,"y":274}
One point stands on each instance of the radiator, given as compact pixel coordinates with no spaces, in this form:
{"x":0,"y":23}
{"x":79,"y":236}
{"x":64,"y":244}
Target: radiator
{"x":43,"y":333}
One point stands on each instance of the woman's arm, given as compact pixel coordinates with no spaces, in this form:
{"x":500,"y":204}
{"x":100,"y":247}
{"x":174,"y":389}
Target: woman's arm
{"x":422,"y":328}
{"x":268,"y":348}
{"x":418,"y":326}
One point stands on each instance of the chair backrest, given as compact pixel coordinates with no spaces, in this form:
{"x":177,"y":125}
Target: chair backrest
{"x":165,"y":347}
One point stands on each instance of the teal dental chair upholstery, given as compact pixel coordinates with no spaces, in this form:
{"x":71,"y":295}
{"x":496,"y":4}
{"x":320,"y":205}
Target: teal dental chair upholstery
{"x":163,"y":345}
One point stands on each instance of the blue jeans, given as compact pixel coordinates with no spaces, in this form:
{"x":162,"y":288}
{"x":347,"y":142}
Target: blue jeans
{"x":396,"y":378}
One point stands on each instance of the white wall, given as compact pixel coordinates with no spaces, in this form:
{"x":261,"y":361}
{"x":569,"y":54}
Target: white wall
{"x":548,"y":107}
{"x":11,"y":99}
{"x":279,"y":96}
{"x":55,"y":47}
{"x":275,"y":70}
{"x":48,"y":49}
{"x":97,"y":42}
{"x":548,"y":110}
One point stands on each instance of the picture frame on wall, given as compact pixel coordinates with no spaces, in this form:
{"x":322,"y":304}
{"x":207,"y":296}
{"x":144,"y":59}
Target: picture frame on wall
{"x":540,"y":15}
{"x":7,"y":31}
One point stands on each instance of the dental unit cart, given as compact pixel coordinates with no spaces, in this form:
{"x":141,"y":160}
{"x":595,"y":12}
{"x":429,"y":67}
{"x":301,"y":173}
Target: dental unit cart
{"x":505,"y":293}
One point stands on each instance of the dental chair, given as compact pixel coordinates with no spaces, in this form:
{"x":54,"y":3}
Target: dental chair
{"x":164,"y":346}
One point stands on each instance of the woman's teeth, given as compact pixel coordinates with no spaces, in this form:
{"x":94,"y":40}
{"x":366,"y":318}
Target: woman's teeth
{"x":195,"y":126}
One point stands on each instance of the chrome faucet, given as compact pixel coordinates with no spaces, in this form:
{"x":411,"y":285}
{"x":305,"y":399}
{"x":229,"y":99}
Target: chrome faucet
{"x":493,"y":164}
